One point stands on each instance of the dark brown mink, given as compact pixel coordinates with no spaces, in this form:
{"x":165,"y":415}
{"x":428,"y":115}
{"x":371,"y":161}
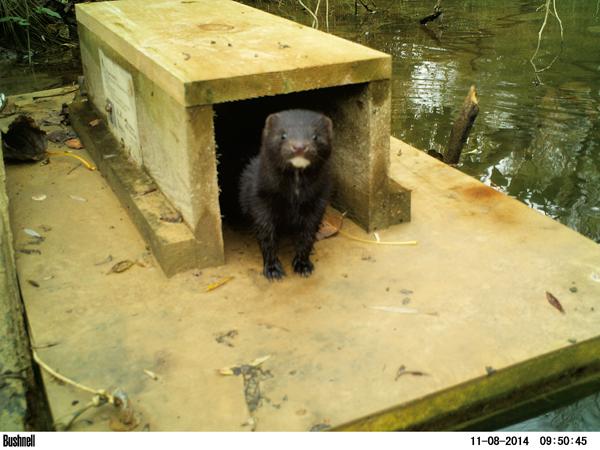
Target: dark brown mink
{"x":285,"y":189}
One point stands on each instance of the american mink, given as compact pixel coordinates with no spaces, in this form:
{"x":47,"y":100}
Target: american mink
{"x":285,"y":189}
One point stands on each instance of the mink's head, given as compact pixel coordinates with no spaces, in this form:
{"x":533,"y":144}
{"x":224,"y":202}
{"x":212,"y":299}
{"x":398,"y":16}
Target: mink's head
{"x":297,"y":138}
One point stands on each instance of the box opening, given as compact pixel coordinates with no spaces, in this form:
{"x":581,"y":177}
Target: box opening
{"x":239,"y":125}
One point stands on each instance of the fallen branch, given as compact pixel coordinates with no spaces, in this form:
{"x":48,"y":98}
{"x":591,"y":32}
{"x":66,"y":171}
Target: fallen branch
{"x":369,"y":10}
{"x":462,"y":127}
{"x":58,"y":94}
{"x":437,"y":12}
{"x":537,"y":49}
{"x":430,"y":18}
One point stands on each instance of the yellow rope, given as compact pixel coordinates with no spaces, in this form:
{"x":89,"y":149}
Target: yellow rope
{"x":67,"y":153}
{"x":100,"y":392}
{"x":369,"y":241}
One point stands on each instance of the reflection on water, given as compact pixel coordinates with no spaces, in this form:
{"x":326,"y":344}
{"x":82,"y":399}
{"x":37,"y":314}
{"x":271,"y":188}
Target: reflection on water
{"x":581,"y":416}
{"x":537,"y":142}
{"x":52,"y":69}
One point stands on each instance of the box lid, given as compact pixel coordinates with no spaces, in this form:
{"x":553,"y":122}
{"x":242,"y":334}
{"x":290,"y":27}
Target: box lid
{"x":207,"y":51}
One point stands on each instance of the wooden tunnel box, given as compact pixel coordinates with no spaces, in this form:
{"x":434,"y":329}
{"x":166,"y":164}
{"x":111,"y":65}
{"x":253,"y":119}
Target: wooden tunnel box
{"x":176,"y":80}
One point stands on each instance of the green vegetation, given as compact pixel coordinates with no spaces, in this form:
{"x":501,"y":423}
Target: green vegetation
{"x":33,"y":26}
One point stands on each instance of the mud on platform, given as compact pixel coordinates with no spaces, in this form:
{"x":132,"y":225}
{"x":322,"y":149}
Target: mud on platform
{"x":375,"y":327}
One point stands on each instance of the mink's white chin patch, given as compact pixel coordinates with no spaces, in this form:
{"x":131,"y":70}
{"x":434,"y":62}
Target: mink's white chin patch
{"x":299,"y":162}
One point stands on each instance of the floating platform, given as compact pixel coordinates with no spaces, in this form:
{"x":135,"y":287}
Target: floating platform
{"x":454,"y":332}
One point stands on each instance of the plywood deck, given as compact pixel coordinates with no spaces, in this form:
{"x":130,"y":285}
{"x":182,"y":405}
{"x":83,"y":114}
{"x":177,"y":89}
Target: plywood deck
{"x":477,"y":281}
{"x":206,"y":51}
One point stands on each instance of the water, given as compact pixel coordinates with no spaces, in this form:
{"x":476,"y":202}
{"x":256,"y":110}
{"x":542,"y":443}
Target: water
{"x":537,"y":140}
{"x":54,"y":68}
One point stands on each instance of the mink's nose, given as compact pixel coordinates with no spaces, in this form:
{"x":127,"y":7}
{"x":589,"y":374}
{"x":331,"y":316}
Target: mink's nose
{"x":298,"y":148}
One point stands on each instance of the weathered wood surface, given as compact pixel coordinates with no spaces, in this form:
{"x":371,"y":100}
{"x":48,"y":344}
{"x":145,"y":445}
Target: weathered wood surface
{"x":229,"y":52}
{"x":171,"y":241}
{"x":466,"y":307}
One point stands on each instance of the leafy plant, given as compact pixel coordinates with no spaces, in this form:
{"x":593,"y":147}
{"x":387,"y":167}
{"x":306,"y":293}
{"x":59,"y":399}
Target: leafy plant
{"x":35,"y":24}
{"x":15,"y":19}
{"x":47,"y":11}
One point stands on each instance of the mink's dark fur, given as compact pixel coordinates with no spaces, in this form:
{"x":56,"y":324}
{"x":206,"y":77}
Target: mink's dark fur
{"x":285,"y":189}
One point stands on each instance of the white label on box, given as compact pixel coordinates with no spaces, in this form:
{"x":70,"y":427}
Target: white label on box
{"x":120,"y":98}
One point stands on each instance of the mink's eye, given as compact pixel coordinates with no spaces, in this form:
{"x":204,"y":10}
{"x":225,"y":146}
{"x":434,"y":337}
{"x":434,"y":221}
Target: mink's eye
{"x":283,"y":136}
{"x":314,"y":137}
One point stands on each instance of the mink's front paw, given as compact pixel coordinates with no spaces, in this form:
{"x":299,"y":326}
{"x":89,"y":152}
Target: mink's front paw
{"x":273,"y":271}
{"x":302,"y":266}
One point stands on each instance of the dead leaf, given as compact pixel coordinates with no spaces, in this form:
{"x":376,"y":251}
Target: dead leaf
{"x":236,"y":370}
{"x":259,"y":361}
{"x":330,"y":226}
{"x":402,"y":371}
{"x":216,"y":284}
{"x":554,"y":302}
{"x":326,"y":230}
{"x":121,"y":266}
{"x":32,"y":233}
{"x":151,"y":374}
{"x":74,"y":143}
{"x":95,"y":122}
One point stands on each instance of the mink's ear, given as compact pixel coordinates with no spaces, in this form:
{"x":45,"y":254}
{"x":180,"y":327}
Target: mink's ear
{"x":328,"y":126}
{"x":271,"y":121}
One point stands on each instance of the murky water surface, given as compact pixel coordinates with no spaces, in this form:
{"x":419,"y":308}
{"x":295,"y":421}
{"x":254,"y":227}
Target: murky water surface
{"x":538,"y":142}
{"x":535,"y":139}
{"x":55,"y":68}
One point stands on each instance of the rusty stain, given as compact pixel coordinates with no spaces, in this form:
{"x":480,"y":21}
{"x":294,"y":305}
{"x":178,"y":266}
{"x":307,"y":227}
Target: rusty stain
{"x":481,"y":192}
{"x":215,"y":27}
{"x":490,"y":199}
